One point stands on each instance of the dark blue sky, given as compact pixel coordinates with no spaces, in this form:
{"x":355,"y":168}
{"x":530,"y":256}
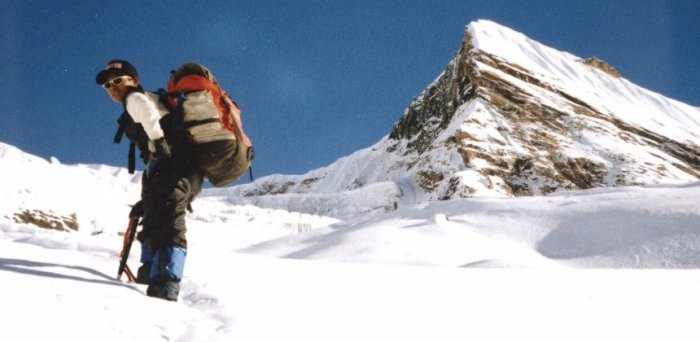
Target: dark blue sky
{"x":317,"y":80}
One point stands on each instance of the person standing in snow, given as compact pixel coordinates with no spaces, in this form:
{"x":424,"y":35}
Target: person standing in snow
{"x":169,"y":184}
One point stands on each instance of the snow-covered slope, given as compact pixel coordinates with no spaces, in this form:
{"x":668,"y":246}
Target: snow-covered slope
{"x":94,"y":201}
{"x":32,"y":187}
{"x":510,"y":117}
{"x":601,"y":264}
{"x":357,"y":251}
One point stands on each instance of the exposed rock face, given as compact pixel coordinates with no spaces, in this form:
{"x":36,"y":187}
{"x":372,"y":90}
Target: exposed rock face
{"x":433,"y":111}
{"x":601,"y":65}
{"x":512,"y":117}
{"x":538,"y":126}
{"x":48,"y":220}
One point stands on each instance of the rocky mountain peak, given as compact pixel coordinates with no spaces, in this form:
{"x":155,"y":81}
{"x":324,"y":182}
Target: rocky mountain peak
{"x":518,"y":115}
{"x":512,"y":117}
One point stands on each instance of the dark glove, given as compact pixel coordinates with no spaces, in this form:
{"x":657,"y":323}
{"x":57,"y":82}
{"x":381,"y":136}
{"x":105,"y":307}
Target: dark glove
{"x":162,"y":149}
{"x":151,"y":167}
{"x":137,"y":210}
{"x":162,"y":152}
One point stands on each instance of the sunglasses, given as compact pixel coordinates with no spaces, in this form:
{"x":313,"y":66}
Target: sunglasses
{"x":115,"y":82}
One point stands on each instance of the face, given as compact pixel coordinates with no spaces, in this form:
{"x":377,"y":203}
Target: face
{"x":118,"y":91}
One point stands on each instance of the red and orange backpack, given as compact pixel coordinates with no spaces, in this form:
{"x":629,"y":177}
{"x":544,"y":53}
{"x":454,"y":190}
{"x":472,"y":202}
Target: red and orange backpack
{"x":211,"y":122}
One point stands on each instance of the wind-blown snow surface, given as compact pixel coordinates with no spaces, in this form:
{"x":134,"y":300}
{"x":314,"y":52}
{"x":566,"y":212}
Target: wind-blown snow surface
{"x":610,"y":264}
{"x":617,"y":96}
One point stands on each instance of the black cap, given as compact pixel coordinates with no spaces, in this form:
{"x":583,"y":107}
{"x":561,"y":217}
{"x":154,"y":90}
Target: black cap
{"x":116,"y":67}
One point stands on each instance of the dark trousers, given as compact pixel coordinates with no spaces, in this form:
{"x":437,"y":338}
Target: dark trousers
{"x":167,"y":190}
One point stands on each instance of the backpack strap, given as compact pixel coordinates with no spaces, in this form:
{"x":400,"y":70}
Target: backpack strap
{"x":179,"y":96}
{"x":121,"y":130}
{"x":119,"y":135}
{"x":199,"y":122}
{"x":132,"y":158}
{"x":135,"y":133}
